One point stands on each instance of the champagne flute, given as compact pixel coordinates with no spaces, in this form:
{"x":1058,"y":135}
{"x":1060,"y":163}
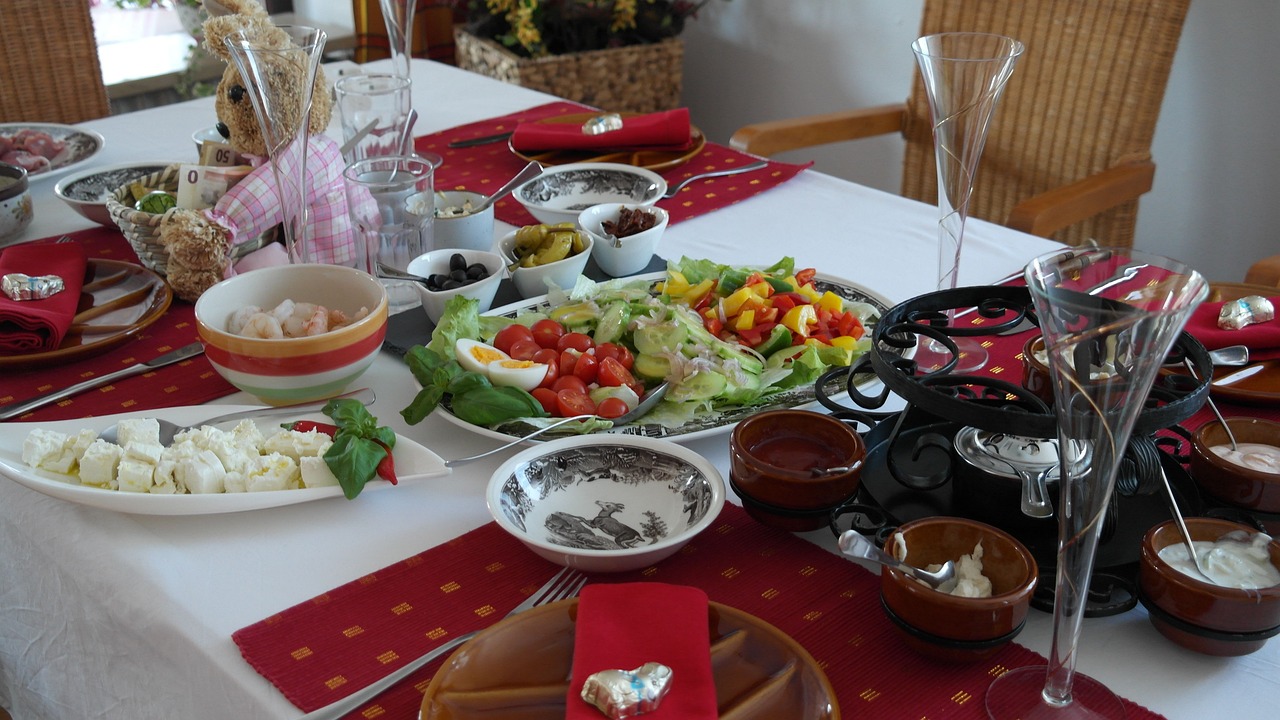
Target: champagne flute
{"x":1104,"y":350}
{"x":964,"y":76}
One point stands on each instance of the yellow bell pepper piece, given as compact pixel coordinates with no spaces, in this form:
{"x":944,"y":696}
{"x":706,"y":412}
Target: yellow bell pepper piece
{"x":695,"y":292}
{"x":844,"y":341}
{"x":809,"y":292}
{"x":734,"y":302}
{"x":799,"y":318}
{"x":831,"y":302}
{"x":746,"y":320}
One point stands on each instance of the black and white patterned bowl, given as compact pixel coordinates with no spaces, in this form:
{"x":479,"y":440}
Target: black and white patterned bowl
{"x":87,"y":192}
{"x":562,"y":192}
{"x":606,"y":503}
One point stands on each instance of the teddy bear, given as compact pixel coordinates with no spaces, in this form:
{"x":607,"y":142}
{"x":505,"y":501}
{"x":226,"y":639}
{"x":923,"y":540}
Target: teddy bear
{"x":201,"y":243}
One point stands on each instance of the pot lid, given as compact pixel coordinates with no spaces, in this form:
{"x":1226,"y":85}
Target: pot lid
{"x":1009,"y":456}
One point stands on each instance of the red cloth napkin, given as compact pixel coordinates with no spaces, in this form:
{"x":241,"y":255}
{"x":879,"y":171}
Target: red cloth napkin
{"x":626,"y":625}
{"x":668,"y":130}
{"x":39,"y":325}
{"x":1263,"y":339}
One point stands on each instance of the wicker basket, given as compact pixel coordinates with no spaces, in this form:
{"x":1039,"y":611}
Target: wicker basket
{"x":635,"y":78}
{"x":142,"y":229}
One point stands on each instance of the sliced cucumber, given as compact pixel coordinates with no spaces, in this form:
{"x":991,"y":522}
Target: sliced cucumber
{"x":651,"y":367}
{"x":702,"y":385}
{"x":653,"y":339}
{"x":613,"y":323}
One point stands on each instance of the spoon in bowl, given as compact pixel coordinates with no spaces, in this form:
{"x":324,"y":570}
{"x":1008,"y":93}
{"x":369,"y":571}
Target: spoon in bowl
{"x":530,"y":171}
{"x":856,"y":545}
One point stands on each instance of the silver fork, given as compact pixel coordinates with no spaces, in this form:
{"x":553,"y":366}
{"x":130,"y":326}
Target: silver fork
{"x":563,"y":585}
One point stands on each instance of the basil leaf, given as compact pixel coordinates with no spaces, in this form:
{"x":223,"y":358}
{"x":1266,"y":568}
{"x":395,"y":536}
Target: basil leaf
{"x":351,"y":415}
{"x":486,"y":406}
{"x":423,"y":403}
{"x":354,"y":460}
{"x":424,"y":363}
{"x":466,"y":382}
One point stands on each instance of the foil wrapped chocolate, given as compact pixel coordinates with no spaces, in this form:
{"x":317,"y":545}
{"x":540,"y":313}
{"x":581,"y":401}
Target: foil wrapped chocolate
{"x":627,"y":693}
{"x":1245,"y":311}
{"x":18,"y":287}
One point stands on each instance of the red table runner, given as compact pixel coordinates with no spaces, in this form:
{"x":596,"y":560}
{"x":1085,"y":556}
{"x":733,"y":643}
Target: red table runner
{"x":323,"y":649}
{"x":485,"y":168}
{"x":190,"y":382}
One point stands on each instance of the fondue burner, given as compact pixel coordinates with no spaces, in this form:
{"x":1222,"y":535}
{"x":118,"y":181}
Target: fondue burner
{"x":981,"y":446}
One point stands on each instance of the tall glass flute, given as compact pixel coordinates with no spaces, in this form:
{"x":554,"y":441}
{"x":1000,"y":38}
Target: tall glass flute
{"x":283,"y":108}
{"x":964,"y":75}
{"x":398,"y":15}
{"x":1104,"y":351}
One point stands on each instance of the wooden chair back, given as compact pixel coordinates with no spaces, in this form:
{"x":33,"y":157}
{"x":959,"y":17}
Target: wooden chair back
{"x":1084,"y":97}
{"x":50,"y":63}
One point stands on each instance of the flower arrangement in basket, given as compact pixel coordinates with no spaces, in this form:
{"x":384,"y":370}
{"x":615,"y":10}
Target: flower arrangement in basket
{"x":538,"y":28}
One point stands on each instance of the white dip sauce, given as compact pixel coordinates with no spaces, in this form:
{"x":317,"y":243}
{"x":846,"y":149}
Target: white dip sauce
{"x":1255,"y":456}
{"x":1229,"y":563}
{"x":968,"y":581}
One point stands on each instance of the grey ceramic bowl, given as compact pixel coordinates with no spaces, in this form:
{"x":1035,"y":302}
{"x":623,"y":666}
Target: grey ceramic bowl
{"x":562,"y":192}
{"x":606,"y":503}
{"x":87,"y":192}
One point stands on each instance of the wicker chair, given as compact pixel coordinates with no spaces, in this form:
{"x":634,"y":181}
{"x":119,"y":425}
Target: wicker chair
{"x":1069,"y":152}
{"x":50,"y":60}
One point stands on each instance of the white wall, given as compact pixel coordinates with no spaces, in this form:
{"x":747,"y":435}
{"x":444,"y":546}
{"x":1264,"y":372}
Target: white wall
{"x":1216,"y":147}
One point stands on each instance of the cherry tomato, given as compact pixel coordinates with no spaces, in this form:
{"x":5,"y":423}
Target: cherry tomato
{"x":613,"y":374}
{"x":637,"y":387}
{"x":576,"y":340}
{"x":551,"y":359}
{"x":508,"y":336}
{"x":616,"y":351}
{"x":547,"y":332}
{"x":569,"y":382}
{"x":575,"y":402}
{"x":568,"y":359}
{"x":586,"y":368}
{"x":524,"y":349}
{"x":612,"y":408}
{"x":547,"y":397}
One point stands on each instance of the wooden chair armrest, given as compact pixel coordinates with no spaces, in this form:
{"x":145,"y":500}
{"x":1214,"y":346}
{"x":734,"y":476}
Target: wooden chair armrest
{"x":1265,"y":272}
{"x":1050,"y":211}
{"x":770,"y":138}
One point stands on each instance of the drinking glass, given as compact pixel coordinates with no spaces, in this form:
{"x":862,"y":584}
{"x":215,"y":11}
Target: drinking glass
{"x":964,"y":76}
{"x":283,"y":110}
{"x":375,"y":114}
{"x":1104,"y":350}
{"x":391,"y":202}
{"x":398,"y":15}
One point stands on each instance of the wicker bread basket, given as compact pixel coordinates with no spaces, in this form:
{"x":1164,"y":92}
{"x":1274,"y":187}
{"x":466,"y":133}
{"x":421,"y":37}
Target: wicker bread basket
{"x":142,"y":229}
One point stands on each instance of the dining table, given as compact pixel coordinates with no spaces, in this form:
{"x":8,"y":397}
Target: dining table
{"x":108,"y":614}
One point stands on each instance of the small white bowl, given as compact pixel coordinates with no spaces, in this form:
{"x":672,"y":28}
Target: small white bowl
{"x":605,"y":503}
{"x":532,"y":282}
{"x":437,"y":262}
{"x":633,"y":252}
{"x":15,"y":201}
{"x":209,"y":133}
{"x":560,"y":193}
{"x":87,"y":192}
{"x":473,"y":231}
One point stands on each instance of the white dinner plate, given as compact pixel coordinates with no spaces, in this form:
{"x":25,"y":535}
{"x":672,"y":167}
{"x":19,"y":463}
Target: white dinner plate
{"x":707,"y":424}
{"x":413,"y":463}
{"x":81,"y":145}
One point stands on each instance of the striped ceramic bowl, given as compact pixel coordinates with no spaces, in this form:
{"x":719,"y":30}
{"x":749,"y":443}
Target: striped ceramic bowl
{"x":284,"y":370}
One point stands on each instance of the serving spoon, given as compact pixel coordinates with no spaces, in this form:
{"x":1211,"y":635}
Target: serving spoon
{"x":530,"y":171}
{"x":856,"y":545}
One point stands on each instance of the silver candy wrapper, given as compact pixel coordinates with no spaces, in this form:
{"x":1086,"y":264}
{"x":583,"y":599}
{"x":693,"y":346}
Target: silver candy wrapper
{"x":627,"y":693}
{"x":1245,"y":311}
{"x":24,"y":287}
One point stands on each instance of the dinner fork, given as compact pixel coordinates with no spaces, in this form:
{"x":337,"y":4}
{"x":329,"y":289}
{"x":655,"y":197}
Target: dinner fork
{"x":563,"y":585}
{"x":671,"y":192}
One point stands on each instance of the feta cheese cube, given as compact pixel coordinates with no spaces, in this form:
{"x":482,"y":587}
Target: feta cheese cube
{"x":141,"y":430}
{"x":316,"y":472}
{"x":248,"y":435}
{"x":272,"y":472}
{"x":144,"y":452}
{"x":99,"y":463}
{"x":297,"y":444}
{"x":134,"y":475}
{"x":235,"y":482}
{"x":201,"y":473}
{"x":42,"y":446}
{"x":72,"y":448}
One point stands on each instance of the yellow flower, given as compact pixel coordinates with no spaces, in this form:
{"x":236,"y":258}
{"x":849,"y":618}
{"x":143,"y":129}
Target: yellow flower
{"x":624,"y":15}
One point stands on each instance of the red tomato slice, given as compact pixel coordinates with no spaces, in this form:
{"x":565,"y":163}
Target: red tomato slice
{"x":569,"y":382}
{"x":551,"y":359}
{"x":612,"y":374}
{"x":612,"y":408}
{"x":574,"y":402}
{"x":586,"y":368}
{"x":547,"y":332}
{"x":576,"y":340}
{"x":616,"y":351}
{"x":508,"y":336}
{"x":568,"y":359}
{"x":805,"y":276}
{"x":547,"y":398}
{"x":524,"y":349}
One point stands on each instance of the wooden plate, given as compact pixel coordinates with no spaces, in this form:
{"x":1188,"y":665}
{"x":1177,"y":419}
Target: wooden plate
{"x":519,"y":668}
{"x":647,"y":159}
{"x":118,"y":301}
{"x":1262,"y":387}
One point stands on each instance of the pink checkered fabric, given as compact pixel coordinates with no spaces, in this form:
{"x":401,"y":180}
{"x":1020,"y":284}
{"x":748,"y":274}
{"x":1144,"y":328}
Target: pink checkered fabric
{"x":253,"y":205}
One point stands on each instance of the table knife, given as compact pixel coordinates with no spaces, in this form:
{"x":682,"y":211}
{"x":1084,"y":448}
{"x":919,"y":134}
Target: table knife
{"x":483,"y":140}
{"x":182,"y":353}
{"x":1240,"y":374}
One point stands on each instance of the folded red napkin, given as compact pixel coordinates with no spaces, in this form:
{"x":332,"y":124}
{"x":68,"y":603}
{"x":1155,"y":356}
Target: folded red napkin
{"x":1263,"y":339}
{"x":29,"y":326}
{"x":625,"y":625}
{"x":667,"y":130}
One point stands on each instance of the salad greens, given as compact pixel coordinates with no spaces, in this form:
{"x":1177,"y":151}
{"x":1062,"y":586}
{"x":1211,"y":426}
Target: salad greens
{"x":360,"y":445}
{"x":671,"y":331}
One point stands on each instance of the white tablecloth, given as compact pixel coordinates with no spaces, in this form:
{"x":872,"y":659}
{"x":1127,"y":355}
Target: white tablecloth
{"x":120,"y":616}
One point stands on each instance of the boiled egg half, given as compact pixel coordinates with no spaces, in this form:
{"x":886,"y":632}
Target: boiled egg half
{"x":500,"y":368}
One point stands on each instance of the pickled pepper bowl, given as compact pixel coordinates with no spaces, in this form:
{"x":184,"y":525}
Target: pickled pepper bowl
{"x":605,"y":503}
{"x":291,"y":370}
{"x":772,"y":455}
{"x":1202,"y":616}
{"x":948,"y":627}
{"x":532,"y":282}
{"x":1231,"y":482}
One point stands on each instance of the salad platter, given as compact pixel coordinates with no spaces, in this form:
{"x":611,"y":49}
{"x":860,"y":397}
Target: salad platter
{"x":413,"y":463}
{"x":711,"y":421}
